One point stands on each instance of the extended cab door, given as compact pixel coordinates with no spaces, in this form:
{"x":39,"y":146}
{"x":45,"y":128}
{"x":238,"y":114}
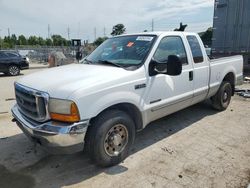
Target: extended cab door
{"x":200,"y":75}
{"x":167,"y":94}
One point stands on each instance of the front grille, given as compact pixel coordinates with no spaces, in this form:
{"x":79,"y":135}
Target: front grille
{"x":32,"y":103}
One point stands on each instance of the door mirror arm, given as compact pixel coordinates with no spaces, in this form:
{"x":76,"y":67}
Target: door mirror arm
{"x":155,"y":67}
{"x":161,"y":71}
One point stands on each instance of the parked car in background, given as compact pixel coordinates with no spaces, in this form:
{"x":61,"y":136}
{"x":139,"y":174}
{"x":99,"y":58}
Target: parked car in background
{"x":11,"y":62}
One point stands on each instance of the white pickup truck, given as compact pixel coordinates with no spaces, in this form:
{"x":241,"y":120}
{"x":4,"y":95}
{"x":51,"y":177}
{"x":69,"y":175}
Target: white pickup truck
{"x":126,"y":83}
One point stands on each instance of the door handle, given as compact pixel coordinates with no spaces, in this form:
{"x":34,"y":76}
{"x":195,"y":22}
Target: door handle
{"x":191,"y":75}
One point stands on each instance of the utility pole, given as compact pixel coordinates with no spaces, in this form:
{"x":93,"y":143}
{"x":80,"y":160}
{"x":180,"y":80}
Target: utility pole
{"x":78,"y":30}
{"x":68,"y":31}
{"x":9,"y":32}
{"x":95,"y":33}
{"x":48,"y":31}
{"x":152,"y":24}
{"x":104,"y":32}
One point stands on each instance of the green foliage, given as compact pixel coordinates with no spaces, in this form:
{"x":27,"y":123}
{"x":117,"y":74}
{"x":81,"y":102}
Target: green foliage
{"x":118,"y":29}
{"x":48,"y":42}
{"x":58,"y":40}
{"x":22,"y":40}
{"x":206,"y":36}
{"x":41,"y":41}
{"x":13,"y":39}
{"x":1,"y":43}
{"x":100,"y":40}
{"x":10,"y":42}
{"x":32,"y":40}
{"x":7,"y":43}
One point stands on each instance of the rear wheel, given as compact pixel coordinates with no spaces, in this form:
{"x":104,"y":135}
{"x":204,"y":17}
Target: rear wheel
{"x":222,"y":98}
{"x":13,"y":70}
{"x":110,"y":137}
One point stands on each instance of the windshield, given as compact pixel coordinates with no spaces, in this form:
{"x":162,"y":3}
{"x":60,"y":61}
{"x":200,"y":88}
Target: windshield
{"x":123,"y":51}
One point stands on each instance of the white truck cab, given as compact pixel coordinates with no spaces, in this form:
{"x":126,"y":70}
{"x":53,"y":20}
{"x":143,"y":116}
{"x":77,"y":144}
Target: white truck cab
{"x":126,"y":83}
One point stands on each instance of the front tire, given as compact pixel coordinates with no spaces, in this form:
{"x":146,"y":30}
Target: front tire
{"x":110,"y":137}
{"x":13,"y":70}
{"x":221,"y":100}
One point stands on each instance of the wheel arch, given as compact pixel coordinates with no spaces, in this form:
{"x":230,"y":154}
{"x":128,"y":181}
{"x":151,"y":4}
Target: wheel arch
{"x":13,"y":63}
{"x":230,"y":77}
{"x":128,"y":108}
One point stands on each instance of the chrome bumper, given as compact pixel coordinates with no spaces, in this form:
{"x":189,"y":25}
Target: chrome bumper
{"x":55,"y":137}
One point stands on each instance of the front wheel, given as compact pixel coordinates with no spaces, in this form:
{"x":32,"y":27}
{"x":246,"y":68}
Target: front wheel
{"x":110,"y":137}
{"x":222,"y":98}
{"x":13,"y":70}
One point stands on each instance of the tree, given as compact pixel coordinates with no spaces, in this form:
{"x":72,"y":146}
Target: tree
{"x":13,"y":39}
{"x":41,"y":41}
{"x":7,"y":42}
{"x":1,"y":43}
{"x":58,"y":40}
{"x":118,"y":29}
{"x":22,"y":40}
{"x":206,"y":36}
{"x":100,"y":40}
{"x":48,"y":42}
{"x":33,"y":40}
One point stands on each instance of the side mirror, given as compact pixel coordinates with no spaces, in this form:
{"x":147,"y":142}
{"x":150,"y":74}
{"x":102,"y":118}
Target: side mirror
{"x":172,"y":67}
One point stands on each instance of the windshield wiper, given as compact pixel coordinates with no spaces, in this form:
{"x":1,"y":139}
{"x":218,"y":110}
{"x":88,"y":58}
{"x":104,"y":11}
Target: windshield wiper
{"x":88,"y":61}
{"x":110,"y":63}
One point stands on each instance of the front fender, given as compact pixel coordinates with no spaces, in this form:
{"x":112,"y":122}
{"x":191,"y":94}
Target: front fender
{"x":91,"y":106}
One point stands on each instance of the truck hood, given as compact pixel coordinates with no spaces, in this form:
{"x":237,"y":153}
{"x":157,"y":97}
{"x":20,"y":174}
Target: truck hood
{"x":61,"y":82}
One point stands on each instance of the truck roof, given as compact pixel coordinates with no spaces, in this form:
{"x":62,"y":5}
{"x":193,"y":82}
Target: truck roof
{"x":158,"y":33}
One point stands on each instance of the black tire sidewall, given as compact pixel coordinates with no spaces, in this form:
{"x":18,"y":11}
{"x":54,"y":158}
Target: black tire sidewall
{"x":104,"y":125}
{"x":225,"y":87}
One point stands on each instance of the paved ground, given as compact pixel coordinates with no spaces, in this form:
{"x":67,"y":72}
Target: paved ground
{"x":196,"y":147}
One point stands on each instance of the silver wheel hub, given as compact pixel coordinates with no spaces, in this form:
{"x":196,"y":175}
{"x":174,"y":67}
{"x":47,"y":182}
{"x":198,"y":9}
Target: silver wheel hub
{"x":116,"y":140}
{"x":13,"y":70}
{"x":225,"y":96}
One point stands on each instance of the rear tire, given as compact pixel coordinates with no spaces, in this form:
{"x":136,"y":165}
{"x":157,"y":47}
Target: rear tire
{"x":13,"y":70}
{"x":221,"y":100}
{"x":110,"y":137}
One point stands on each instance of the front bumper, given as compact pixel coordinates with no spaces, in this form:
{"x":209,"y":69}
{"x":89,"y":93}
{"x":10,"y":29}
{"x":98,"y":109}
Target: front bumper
{"x":24,"y":66}
{"x":56,"y":137}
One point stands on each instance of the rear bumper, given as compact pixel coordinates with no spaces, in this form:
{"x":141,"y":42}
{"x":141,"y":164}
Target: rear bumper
{"x":55,"y":137}
{"x":239,"y":80}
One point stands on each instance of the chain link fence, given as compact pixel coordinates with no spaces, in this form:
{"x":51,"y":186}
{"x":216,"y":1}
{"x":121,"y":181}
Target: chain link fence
{"x":41,"y":54}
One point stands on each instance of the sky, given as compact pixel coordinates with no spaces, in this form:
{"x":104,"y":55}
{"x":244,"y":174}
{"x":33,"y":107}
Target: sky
{"x":84,"y":18}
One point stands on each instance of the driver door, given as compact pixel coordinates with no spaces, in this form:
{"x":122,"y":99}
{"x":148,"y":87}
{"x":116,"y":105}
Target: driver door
{"x":167,"y":94}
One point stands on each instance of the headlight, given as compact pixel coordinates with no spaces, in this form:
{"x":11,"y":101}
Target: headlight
{"x":63,"y":110}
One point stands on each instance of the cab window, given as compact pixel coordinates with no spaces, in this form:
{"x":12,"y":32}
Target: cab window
{"x":171,"y":45}
{"x":195,"y":48}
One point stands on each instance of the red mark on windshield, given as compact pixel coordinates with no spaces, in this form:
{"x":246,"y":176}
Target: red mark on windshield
{"x":130,"y":44}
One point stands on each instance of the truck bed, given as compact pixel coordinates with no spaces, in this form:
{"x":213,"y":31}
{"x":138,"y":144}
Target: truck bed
{"x":219,"y":68}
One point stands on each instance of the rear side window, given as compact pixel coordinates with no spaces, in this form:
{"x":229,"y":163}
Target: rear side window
{"x":171,"y":45}
{"x":196,"y":49}
{"x":12,"y":54}
{"x":2,"y":55}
